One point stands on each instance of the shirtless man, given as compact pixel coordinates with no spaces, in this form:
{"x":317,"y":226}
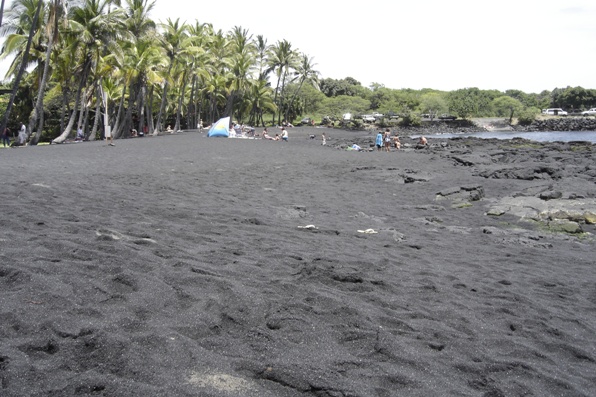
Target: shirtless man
{"x":396,"y":142}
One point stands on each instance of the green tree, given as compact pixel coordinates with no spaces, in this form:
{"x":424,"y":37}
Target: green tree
{"x":505,"y":106}
{"x":282,"y":59}
{"x":348,"y":86}
{"x":173,"y":40}
{"x":52,"y":34}
{"x":471,"y":102}
{"x":527,"y":115}
{"x":94,"y":31}
{"x":433,"y":104}
{"x":305,"y":74}
{"x":242,"y":69}
{"x":337,"y":106}
{"x":576,"y":98}
{"x":32,"y":29}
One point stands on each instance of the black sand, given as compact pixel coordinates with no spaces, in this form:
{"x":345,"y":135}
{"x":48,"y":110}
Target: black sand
{"x":176,"y":266}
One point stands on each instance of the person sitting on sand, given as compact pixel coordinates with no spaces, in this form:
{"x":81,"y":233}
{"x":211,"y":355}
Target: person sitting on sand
{"x":276,"y":137}
{"x":133,"y":133}
{"x":169,"y":129}
{"x":266,"y":135}
{"x":284,"y":134}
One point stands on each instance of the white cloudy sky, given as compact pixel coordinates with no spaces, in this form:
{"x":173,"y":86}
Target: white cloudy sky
{"x":531,"y":45}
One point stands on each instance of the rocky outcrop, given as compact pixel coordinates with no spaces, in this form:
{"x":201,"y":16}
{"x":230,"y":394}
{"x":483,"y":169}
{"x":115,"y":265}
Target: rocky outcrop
{"x":560,"y":124}
{"x":556,"y":214}
{"x":441,"y":127}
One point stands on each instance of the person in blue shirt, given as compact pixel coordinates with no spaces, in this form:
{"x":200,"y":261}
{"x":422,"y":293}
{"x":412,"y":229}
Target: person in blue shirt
{"x":379,"y":141}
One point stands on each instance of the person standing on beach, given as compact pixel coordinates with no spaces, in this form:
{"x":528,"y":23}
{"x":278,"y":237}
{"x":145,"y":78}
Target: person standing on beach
{"x":109,"y":136}
{"x":379,"y":141}
{"x":387,"y":140}
{"x":6,"y":137}
{"x":324,"y":139}
{"x":22,"y":135}
{"x":80,"y":134}
{"x":284,"y":134}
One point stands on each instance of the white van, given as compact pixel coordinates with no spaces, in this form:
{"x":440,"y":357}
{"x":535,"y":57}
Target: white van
{"x":554,"y":112}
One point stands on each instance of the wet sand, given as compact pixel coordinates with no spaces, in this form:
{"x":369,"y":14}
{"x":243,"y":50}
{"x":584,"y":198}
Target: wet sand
{"x":189,"y":266}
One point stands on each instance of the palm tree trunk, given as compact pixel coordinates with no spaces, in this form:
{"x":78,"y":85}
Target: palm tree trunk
{"x":1,"y":12}
{"x":141,"y":107}
{"x":119,"y":114}
{"x":38,"y":110}
{"x":190,"y":113}
{"x":124,"y":130}
{"x":65,"y":109}
{"x":149,"y":103}
{"x":73,"y":115}
{"x":293,"y":98}
{"x":164,"y":95}
{"x":180,"y":97}
{"x":91,"y":136}
{"x":82,"y":110}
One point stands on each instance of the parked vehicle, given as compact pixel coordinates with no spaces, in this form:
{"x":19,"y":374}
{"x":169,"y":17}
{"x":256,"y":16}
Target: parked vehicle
{"x":306,"y":121}
{"x":447,"y":117}
{"x":368,"y":118}
{"x":590,"y":112}
{"x":554,"y":112}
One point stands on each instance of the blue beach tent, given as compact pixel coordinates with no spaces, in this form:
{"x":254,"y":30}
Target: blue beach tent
{"x":220,"y":128}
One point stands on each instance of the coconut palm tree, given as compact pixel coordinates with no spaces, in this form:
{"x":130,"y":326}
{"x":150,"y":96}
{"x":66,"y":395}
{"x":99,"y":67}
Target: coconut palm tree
{"x":200,"y":34}
{"x":16,"y":29}
{"x":261,"y":97}
{"x":305,"y":73}
{"x":173,"y":38}
{"x":52,"y":33}
{"x":282,"y":58}
{"x":261,"y":49}
{"x":96,"y":32}
{"x":33,"y":28}
{"x":242,"y":67}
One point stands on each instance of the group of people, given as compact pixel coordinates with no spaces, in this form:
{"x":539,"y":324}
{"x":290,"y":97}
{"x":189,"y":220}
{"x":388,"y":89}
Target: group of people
{"x":242,"y":130}
{"x":21,"y":139}
{"x":278,"y":137}
{"x":384,"y":141}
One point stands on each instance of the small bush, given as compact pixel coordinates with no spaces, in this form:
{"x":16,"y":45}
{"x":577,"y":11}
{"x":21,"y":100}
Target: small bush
{"x":410,"y":119}
{"x":527,"y":116}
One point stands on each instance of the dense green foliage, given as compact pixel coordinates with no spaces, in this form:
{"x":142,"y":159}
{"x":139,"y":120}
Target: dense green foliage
{"x":91,"y":57}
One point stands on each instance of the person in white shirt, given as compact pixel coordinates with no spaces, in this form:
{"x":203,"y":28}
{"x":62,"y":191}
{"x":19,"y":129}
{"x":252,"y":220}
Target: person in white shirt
{"x":22,"y":135}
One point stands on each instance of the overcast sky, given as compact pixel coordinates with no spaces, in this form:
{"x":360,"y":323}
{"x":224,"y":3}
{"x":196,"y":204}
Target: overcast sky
{"x":531,"y":45}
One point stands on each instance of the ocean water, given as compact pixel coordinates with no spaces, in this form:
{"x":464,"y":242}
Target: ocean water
{"x":543,"y":136}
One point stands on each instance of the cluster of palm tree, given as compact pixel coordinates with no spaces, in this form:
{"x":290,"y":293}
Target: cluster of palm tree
{"x":112,"y":65}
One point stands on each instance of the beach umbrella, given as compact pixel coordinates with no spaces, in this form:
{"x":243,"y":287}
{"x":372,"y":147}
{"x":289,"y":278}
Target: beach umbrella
{"x":221,"y":128}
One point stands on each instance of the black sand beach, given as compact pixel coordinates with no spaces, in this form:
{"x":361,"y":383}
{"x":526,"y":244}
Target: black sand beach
{"x":189,"y":266}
